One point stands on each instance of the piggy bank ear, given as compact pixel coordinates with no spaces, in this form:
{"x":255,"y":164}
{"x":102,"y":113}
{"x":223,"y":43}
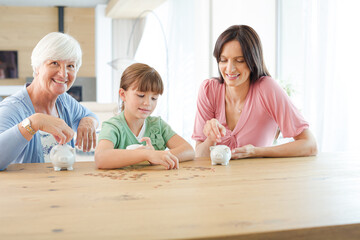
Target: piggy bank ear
{"x":212,"y":147}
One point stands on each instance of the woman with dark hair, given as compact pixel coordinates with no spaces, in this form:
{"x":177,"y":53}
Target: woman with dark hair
{"x":244,"y":107}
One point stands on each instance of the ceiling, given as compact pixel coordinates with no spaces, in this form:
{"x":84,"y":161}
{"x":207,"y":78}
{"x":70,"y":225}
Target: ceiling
{"x":115,"y":8}
{"x":52,"y":3}
{"x":130,"y":8}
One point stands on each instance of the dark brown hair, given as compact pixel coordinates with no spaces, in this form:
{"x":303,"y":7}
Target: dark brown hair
{"x":251,"y":47}
{"x":141,"y":77}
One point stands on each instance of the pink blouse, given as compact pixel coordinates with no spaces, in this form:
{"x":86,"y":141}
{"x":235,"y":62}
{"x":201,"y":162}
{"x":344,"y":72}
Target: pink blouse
{"x":267,"y":106}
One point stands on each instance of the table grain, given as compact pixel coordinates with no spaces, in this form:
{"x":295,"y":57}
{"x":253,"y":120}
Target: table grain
{"x":263,"y":198}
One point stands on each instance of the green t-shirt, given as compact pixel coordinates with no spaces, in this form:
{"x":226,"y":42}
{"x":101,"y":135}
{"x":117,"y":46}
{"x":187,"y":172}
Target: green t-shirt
{"x":118,"y":132}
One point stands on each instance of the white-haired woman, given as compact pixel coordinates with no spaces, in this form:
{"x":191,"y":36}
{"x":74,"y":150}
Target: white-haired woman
{"x":42,"y":114}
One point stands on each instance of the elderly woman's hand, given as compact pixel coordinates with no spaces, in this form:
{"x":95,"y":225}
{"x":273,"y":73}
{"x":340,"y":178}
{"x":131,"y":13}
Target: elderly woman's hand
{"x":53,"y":125}
{"x":213,"y":130}
{"x":86,"y":134}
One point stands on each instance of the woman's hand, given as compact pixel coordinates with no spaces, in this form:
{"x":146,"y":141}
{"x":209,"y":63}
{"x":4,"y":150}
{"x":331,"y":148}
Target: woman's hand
{"x":86,"y":134}
{"x":243,"y":152}
{"x":53,"y":125}
{"x":213,"y":130}
{"x":165,"y":158}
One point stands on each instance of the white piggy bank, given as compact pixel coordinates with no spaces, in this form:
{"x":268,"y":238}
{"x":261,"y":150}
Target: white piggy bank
{"x":62,"y":156}
{"x":134,"y":146}
{"x":220,"y":154}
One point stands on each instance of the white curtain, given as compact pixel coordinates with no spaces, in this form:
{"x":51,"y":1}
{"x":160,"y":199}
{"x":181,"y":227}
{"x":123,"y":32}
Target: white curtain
{"x":319,"y":48}
{"x":185,"y":24}
{"x":126,"y":36}
{"x":191,"y":29}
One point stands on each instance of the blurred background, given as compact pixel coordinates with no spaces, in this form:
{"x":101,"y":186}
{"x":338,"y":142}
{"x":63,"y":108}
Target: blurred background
{"x":311,"y":48}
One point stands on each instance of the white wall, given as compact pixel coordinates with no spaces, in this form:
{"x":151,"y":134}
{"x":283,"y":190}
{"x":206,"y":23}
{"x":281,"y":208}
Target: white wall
{"x":103,"y":55}
{"x":258,"y":14}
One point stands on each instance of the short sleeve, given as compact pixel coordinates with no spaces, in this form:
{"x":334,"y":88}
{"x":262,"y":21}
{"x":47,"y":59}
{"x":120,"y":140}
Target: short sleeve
{"x":205,"y":109}
{"x":110,"y":131}
{"x":281,"y":109}
{"x":167,"y":131}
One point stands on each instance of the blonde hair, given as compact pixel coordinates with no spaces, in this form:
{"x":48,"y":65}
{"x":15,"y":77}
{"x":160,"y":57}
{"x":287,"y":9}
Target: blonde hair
{"x":56,"y":46}
{"x":141,"y":77}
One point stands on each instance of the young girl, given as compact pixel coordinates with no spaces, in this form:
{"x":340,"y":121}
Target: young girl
{"x":140,"y":88}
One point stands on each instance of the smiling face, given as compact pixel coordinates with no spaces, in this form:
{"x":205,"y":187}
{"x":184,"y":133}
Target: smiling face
{"x":56,"y":76}
{"x":232,"y":64}
{"x":138,"y":105}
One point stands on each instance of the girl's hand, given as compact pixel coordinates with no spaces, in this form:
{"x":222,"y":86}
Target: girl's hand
{"x":243,"y":152}
{"x":148,"y":143}
{"x":86,"y":134}
{"x":213,"y":130}
{"x":165,"y":158}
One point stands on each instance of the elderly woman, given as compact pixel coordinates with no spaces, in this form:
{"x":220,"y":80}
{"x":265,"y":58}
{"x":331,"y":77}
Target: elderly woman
{"x":244,"y":107}
{"x":42,"y":114}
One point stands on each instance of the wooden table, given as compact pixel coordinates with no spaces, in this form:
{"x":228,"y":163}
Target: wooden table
{"x":274,"y":198}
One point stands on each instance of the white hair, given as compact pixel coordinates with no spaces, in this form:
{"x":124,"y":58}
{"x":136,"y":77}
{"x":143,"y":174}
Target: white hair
{"x":56,"y":46}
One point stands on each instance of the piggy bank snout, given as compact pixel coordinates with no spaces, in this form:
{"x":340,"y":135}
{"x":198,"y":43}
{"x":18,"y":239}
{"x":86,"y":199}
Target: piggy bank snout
{"x":218,"y":155}
{"x":64,"y":159}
